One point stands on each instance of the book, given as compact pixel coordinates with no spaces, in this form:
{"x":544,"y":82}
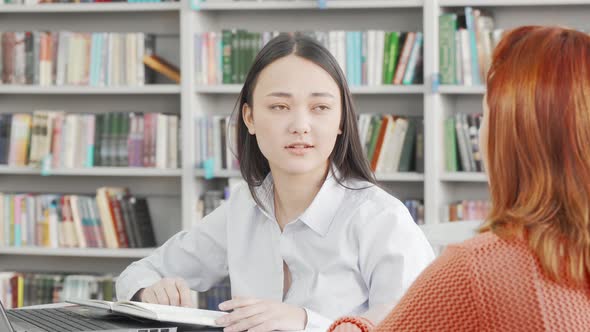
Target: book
{"x":142,"y":222}
{"x":162,"y":66}
{"x":408,"y":149}
{"x":447,"y":25}
{"x":157,"y":312}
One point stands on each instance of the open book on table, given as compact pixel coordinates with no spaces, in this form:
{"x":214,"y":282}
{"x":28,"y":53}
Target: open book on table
{"x":158,"y":312}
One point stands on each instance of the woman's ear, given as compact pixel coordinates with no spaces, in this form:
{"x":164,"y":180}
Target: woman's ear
{"x":248,"y":118}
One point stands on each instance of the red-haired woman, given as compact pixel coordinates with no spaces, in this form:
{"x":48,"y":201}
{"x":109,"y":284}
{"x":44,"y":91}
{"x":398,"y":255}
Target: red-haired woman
{"x":529,"y":269}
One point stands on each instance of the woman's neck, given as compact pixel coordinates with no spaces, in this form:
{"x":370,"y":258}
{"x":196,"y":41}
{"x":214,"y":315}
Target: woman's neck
{"x":294,"y":193}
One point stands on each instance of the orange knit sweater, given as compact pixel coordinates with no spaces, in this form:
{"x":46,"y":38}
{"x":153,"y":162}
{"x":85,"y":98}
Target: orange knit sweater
{"x":489,"y":284}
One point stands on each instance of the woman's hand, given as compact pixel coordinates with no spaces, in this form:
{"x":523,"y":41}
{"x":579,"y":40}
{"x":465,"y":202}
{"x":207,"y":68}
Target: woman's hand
{"x":258,"y":315}
{"x":168,"y":291}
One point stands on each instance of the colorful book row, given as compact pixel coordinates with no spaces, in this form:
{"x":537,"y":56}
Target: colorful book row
{"x":55,"y":139}
{"x":75,"y":58}
{"x":467,"y":210}
{"x":462,"y":150}
{"x":373,"y":57}
{"x":392,"y":143}
{"x":28,"y":289}
{"x":466,"y":43}
{"x":111,"y":219}
{"x":215,"y":143}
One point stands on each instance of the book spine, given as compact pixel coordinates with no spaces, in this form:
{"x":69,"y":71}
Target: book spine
{"x":121,"y":232}
{"x":407,"y":151}
{"x":227,"y":56}
{"x":404,"y":58}
{"x":447,"y":48}
{"x":413,"y":60}
{"x":469,"y":18}
{"x":147,"y":124}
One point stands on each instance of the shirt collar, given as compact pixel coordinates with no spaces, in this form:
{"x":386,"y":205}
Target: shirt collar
{"x":265,"y":193}
{"x":322,"y":210}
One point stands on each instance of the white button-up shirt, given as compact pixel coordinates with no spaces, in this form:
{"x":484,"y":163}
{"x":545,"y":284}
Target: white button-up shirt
{"x":349,"y":251}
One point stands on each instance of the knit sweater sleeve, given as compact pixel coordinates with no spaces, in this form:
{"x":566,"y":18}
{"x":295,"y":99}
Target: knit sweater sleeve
{"x":441,"y":299}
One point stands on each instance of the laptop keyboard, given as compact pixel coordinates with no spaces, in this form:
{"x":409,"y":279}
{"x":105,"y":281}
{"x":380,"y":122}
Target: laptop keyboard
{"x":59,"y":320}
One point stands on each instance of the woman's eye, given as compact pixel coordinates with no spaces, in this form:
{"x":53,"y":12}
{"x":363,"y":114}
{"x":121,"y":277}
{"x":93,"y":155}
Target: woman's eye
{"x":278,"y":107}
{"x":321,"y":108}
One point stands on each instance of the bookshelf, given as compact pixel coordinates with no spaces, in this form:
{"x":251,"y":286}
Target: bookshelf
{"x":172,"y":193}
{"x":461,"y":90}
{"x":161,"y":187}
{"x":463,"y":177}
{"x":94,"y":171}
{"x":444,"y":234}
{"x":77,"y":252}
{"x":511,"y":3}
{"x":400,"y":177}
{"x":160,"y":89}
{"x":305,"y":4}
{"x":90,"y":8}
{"x":448,"y":100}
{"x":258,"y":16}
{"x":234,"y":89}
{"x":199,"y":173}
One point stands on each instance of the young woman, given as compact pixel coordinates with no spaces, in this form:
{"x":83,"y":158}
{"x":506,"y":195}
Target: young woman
{"x":530,"y":268}
{"x":310,"y":237}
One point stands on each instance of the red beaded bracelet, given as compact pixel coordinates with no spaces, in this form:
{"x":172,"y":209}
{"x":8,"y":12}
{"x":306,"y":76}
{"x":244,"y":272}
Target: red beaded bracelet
{"x":362,"y":323}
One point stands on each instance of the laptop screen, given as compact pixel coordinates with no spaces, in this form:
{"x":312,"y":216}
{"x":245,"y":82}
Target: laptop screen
{"x":4,"y":322}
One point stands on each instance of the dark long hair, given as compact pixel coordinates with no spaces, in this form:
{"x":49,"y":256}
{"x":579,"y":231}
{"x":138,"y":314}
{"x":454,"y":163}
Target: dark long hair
{"x":347,"y":157}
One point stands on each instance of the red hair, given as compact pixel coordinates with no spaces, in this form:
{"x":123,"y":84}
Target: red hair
{"x":537,"y":152}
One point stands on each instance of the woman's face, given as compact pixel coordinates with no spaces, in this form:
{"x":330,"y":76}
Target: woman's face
{"x":295,"y":115}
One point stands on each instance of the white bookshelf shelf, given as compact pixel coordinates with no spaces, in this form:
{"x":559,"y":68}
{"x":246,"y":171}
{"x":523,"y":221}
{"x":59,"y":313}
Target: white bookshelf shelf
{"x":219,"y":89}
{"x":464,"y":177}
{"x":387,"y":89}
{"x":445,"y":233}
{"x":18,"y":170}
{"x":77,"y":252}
{"x":95,"y":171}
{"x":253,"y":5}
{"x":462,"y":89}
{"x":119,"y":171}
{"x":339,"y":4}
{"x":393,"y":177}
{"x":357,"y":90}
{"x":91,"y":7}
{"x":89,"y":90}
{"x":510,"y":3}
{"x":400,"y":177}
{"x":307,"y":4}
{"x":219,"y":173}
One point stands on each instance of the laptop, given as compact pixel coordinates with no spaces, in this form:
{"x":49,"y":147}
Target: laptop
{"x":80,"y":319}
